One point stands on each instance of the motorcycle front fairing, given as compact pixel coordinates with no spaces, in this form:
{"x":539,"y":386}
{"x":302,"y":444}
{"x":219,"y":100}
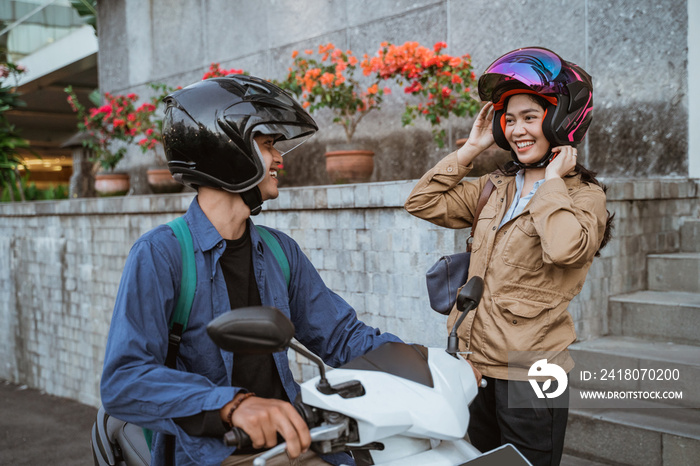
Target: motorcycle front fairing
{"x":412,"y":394}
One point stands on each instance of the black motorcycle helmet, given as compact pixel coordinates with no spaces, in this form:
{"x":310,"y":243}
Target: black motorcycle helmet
{"x":209,"y":127}
{"x":565,"y":87}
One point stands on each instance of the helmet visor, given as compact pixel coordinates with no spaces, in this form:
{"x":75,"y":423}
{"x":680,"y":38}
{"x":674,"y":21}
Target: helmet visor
{"x":536,"y":68}
{"x":287,"y":137}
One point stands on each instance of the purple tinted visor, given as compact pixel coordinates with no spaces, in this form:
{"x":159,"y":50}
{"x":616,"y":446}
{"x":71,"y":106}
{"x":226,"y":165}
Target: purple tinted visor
{"x":533,"y":67}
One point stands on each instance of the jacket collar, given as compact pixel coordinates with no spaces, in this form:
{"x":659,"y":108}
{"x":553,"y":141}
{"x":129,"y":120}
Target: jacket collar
{"x":500,"y":180}
{"x":505,"y":187}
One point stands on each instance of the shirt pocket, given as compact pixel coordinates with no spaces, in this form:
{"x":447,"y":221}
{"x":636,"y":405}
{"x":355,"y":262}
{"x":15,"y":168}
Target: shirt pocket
{"x":519,"y":325}
{"x":482,"y":227}
{"x":523,"y":247}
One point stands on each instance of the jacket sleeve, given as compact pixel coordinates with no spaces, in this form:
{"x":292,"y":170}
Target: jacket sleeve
{"x":324,"y":322}
{"x":442,"y":198}
{"x":136,"y":385}
{"x":570,"y":227}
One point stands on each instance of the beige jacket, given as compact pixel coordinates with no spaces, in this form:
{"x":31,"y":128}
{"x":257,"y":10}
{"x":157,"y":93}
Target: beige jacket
{"x":532,"y":267}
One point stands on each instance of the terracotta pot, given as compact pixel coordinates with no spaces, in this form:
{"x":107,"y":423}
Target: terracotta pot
{"x":111,"y":184}
{"x":350,"y":166}
{"x":161,"y":181}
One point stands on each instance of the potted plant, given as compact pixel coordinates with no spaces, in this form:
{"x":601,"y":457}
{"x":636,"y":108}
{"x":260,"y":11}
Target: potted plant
{"x":326,"y":79}
{"x":110,"y":128}
{"x":159,"y":178}
{"x":444,"y":84}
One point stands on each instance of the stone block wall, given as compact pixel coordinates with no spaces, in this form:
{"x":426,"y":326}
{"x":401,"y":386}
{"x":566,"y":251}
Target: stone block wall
{"x":637,"y":52}
{"x":61,"y":261}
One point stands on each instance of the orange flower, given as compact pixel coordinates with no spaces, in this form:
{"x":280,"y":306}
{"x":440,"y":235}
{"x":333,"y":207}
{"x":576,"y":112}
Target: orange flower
{"x":322,"y":49}
{"x":295,"y":53}
{"x":439,"y":46}
{"x":327,"y":79}
{"x":373,"y":89}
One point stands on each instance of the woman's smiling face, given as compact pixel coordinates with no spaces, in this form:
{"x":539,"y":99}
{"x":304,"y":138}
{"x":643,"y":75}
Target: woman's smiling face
{"x":523,"y":129}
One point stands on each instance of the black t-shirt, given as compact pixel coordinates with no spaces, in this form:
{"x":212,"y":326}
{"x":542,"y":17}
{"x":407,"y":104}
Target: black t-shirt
{"x":255,"y":372}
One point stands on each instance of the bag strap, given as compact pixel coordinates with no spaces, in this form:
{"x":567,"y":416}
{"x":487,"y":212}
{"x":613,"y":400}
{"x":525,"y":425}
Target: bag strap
{"x":180,"y":317}
{"x":277,"y":251}
{"x":188,"y":283}
{"x":483,"y":199}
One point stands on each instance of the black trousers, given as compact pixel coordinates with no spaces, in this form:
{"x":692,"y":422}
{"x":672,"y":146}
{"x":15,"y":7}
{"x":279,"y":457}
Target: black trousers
{"x":537,"y":431}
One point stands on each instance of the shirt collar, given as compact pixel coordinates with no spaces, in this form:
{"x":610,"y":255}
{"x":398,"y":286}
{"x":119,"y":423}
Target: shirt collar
{"x":202,"y":229}
{"x":520,"y":181}
{"x":255,"y":236}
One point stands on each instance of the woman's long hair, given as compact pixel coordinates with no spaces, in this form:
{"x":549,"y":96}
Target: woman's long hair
{"x":587,"y":176}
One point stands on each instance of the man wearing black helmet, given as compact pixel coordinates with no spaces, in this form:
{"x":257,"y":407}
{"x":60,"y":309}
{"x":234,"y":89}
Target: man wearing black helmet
{"x":225,"y":137}
{"x":543,"y":223}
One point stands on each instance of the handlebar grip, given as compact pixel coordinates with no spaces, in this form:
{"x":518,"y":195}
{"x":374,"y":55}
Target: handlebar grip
{"x":236,"y":437}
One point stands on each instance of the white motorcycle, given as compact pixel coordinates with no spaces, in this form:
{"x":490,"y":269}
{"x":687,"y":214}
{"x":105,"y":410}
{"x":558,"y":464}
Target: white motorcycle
{"x":399,"y":404}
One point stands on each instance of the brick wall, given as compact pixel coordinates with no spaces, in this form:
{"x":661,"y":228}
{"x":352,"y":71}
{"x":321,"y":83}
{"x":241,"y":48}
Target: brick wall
{"x":60,"y":264}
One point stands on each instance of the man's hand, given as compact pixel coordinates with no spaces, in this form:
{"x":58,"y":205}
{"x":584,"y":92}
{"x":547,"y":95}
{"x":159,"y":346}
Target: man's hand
{"x":263,"y":418}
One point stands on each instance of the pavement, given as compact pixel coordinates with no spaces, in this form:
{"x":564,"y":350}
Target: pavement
{"x":38,"y":429}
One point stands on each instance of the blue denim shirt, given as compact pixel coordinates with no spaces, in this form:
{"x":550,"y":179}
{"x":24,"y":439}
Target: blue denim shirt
{"x":519,"y":203}
{"x":138,"y":388}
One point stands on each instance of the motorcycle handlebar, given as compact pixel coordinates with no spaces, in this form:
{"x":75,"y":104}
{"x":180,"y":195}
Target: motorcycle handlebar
{"x":236,"y":437}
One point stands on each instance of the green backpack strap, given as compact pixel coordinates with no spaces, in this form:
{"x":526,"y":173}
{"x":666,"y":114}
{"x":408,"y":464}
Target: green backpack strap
{"x":277,"y":251}
{"x":189,"y":274}
{"x":181,"y":315}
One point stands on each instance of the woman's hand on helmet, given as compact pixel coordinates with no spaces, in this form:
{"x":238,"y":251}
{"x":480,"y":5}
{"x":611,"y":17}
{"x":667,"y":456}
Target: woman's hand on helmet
{"x":563,"y":163}
{"x":480,"y":136}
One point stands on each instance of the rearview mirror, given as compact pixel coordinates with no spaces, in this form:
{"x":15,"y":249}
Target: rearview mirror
{"x":470,"y":294}
{"x":252,"y":330}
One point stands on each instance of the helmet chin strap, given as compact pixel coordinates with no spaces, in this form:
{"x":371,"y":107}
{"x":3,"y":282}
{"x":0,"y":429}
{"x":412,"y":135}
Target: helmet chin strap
{"x":253,"y":199}
{"x":543,"y":162}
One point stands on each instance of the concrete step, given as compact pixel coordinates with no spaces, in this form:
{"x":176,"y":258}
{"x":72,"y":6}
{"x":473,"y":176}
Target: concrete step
{"x":669,"y":316}
{"x":690,"y":235}
{"x":618,"y":363}
{"x":651,"y":435}
{"x":674,"y":272}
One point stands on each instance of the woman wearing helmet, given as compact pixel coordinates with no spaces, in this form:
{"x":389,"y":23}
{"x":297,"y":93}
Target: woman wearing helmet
{"x":224,"y":137}
{"x":536,"y":237}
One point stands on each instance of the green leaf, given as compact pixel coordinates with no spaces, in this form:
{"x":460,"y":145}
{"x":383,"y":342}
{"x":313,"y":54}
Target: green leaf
{"x":95,"y":97}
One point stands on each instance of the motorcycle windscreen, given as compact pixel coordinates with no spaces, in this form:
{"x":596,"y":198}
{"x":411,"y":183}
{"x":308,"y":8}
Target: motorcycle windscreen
{"x":409,"y":362}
